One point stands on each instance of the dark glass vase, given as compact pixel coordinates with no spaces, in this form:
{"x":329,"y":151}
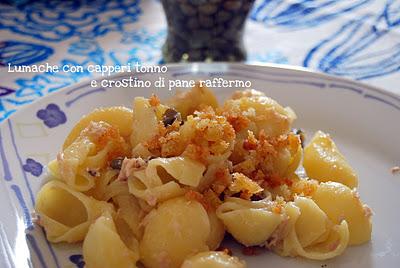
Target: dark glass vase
{"x":205,"y":30}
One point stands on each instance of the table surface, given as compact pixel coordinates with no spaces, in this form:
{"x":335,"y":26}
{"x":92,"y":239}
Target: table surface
{"x":359,"y":39}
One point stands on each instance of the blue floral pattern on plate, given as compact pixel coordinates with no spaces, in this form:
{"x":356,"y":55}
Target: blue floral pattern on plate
{"x":302,"y":13}
{"x":33,"y":167}
{"x":22,"y":53}
{"x":56,"y":20}
{"x":52,"y":116}
{"x":361,"y":48}
{"x":4,"y":91}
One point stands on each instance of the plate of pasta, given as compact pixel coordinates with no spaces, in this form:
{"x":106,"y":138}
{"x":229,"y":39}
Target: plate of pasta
{"x":298,"y":170}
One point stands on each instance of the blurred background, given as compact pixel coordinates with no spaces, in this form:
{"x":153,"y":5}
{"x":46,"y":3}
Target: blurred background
{"x":358,"y":39}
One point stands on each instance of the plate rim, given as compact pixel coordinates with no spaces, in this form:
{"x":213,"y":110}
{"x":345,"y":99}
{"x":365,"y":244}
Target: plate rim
{"x":188,"y":67}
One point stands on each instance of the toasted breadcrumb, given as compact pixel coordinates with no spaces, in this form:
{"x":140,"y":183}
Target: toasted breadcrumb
{"x":261,"y":163}
{"x":223,"y":179}
{"x":367,"y":211}
{"x":154,"y":100}
{"x":251,"y":142}
{"x":241,"y":183}
{"x":395,"y":170}
{"x":212,"y":199}
{"x":204,"y":136}
{"x":304,"y":187}
{"x":154,"y":145}
{"x":171,"y":144}
{"x":225,"y":250}
{"x":101,"y":134}
{"x":277,"y":206}
{"x":238,"y":121}
{"x":197,"y":152}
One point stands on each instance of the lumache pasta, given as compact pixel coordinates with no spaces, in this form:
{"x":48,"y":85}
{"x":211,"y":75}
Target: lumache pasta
{"x":103,"y":246}
{"x":161,"y":184}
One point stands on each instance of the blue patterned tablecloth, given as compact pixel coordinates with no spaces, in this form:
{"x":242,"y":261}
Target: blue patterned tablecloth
{"x":359,"y":39}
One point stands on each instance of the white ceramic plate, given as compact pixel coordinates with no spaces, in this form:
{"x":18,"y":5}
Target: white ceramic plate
{"x":363,"y":121}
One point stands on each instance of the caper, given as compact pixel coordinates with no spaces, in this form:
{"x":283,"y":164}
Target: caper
{"x":170,"y":116}
{"x":116,"y":163}
{"x":301,"y":135}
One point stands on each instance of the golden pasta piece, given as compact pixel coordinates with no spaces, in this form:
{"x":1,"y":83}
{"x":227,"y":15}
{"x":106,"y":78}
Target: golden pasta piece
{"x":141,"y":151}
{"x":312,"y":222}
{"x":296,"y":154}
{"x":162,"y":177}
{"x":341,"y":203}
{"x":333,"y":246}
{"x":66,"y":214}
{"x":70,"y":161}
{"x":249,"y":225}
{"x":160,"y":180}
{"x":155,"y":193}
{"x":103,"y":247}
{"x":176,"y":229}
{"x":252,"y":110}
{"x":115,"y":188}
{"x":104,"y":185}
{"x":147,"y":124}
{"x":145,"y":121}
{"x":217,"y":231}
{"x":323,"y":161}
{"x":129,"y":215}
{"x":188,"y":102}
{"x":213,"y":259}
{"x":52,"y":167}
{"x":80,"y":163}
{"x":119,"y":117}
{"x":182,"y":169}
